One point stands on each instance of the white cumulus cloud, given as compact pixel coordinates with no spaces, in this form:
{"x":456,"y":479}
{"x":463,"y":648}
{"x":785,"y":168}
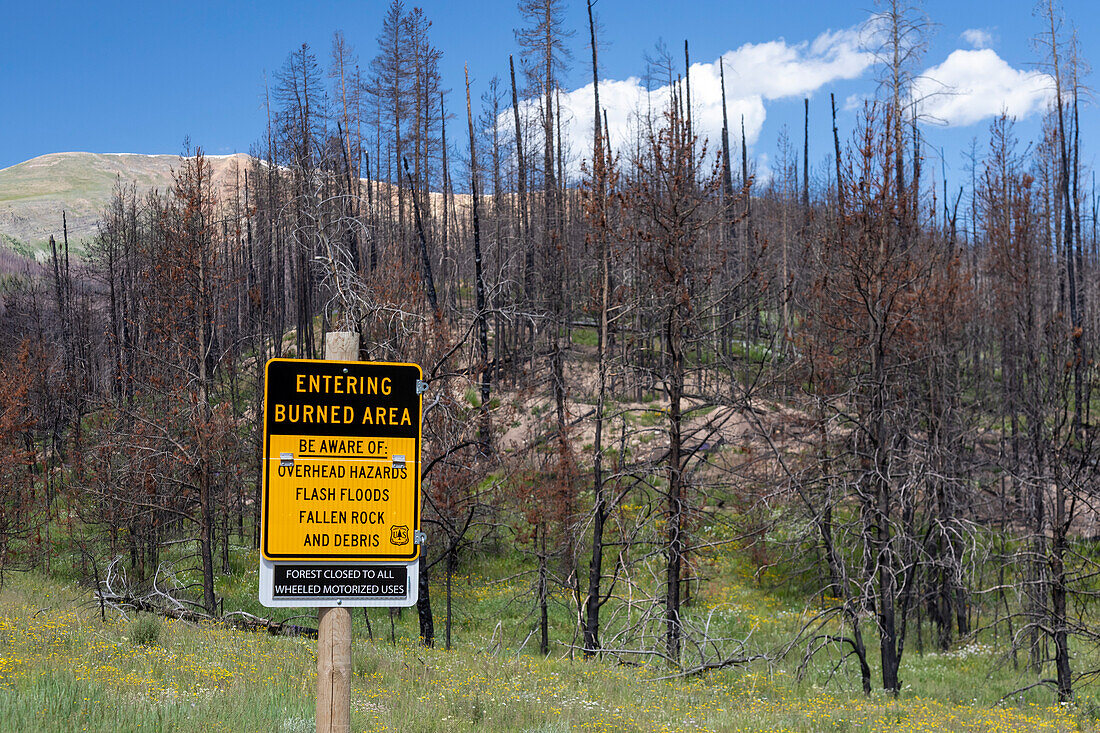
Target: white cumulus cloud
{"x":776,"y":69}
{"x":972,"y":85}
{"x":755,"y":73}
{"x":977,"y":37}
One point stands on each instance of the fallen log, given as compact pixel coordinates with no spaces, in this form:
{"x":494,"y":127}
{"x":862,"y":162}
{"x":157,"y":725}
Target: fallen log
{"x":235,"y":619}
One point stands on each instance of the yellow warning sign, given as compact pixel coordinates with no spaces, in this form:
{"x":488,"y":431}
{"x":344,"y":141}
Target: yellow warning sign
{"x":341,"y":461}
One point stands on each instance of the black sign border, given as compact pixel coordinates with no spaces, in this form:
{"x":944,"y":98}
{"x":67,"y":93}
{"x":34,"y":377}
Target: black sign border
{"x":334,"y":596}
{"x":267,"y":460}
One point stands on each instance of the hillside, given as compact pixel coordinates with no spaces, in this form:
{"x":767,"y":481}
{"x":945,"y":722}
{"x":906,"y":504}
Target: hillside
{"x":35,"y":192}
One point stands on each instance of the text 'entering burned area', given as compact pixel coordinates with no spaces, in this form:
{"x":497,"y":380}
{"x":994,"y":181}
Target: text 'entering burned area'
{"x":344,"y":581}
{"x":342,"y":399}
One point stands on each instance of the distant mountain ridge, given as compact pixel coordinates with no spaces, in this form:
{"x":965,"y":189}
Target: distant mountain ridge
{"x":35,"y":192}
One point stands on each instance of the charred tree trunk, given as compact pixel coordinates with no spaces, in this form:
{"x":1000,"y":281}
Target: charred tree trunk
{"x":484,"y":375}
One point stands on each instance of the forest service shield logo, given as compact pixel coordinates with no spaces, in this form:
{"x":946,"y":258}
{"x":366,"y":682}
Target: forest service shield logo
{"x":399,"y":535}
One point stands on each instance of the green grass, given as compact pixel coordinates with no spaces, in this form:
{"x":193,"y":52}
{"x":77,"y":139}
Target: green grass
{"x":584,"y":337}
{"x":63,"y":668}
{"x":649,"y":418}
{"x":145,"y":630}
{"x":755,"y":352}
{"x":56,"y":700}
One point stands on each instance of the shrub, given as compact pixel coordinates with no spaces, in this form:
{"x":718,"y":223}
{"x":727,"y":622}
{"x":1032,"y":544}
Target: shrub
{"x":145,"y":631}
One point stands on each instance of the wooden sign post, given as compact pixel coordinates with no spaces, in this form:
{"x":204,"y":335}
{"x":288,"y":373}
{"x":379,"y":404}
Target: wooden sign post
{"x":340,"y":521}
{"x":334,"y":622}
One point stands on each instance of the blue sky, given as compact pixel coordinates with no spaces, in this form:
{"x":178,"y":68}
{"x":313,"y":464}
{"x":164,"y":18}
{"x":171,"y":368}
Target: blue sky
{"x":112,"y":76}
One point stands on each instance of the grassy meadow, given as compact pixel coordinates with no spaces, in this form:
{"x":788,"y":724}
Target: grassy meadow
{"x":64,"y":668}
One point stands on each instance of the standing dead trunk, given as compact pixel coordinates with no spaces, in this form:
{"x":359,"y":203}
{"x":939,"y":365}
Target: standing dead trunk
{"x":544,"y":614}
{"x":425,"y":260}
{"x":484,"y":374}
{"x":598,"y":214}
{"x":423,"y":606}
{"x":521,"y":181}
{"x":675,"y":549}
